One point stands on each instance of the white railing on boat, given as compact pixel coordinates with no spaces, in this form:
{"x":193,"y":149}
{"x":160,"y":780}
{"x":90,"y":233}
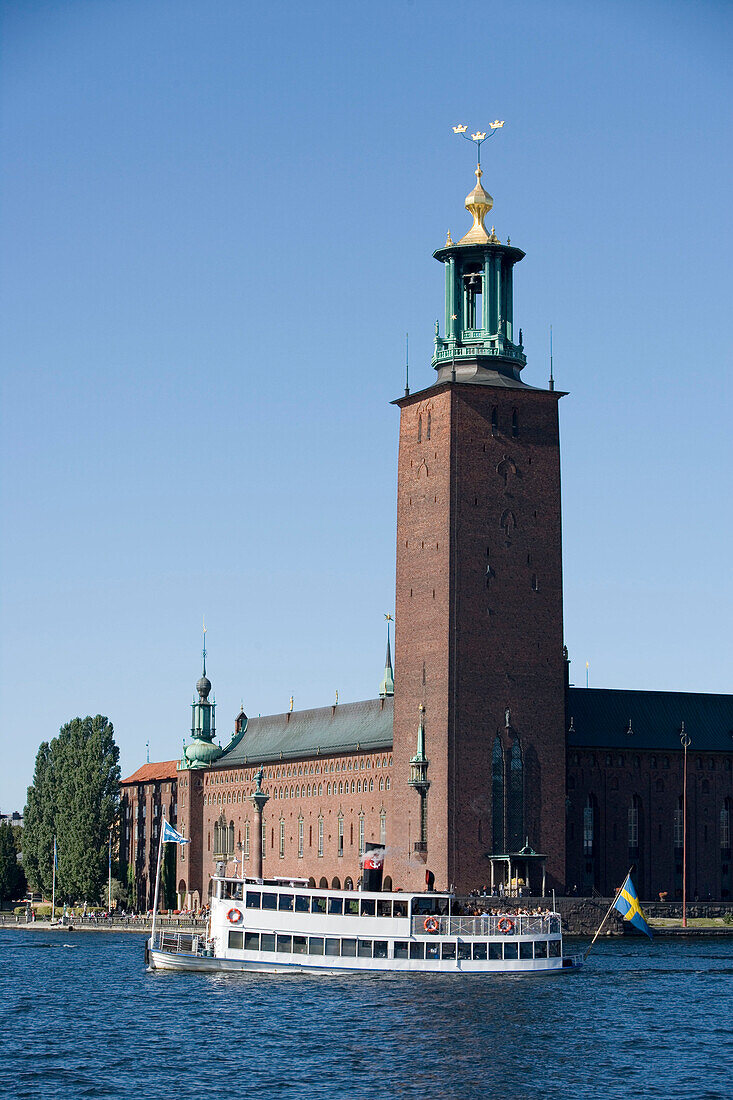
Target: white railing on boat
{"x":486,"y":925}
{"x":183,"y":943}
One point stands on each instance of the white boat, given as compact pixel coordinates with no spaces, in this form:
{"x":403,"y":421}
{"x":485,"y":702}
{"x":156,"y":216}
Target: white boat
{"x":283,"y":925}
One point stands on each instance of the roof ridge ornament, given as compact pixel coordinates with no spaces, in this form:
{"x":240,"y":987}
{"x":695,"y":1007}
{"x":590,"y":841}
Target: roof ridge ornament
{"x":479,"y":202}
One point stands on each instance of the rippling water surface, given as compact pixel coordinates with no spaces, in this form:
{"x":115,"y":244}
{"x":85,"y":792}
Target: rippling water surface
{"x":82,"y":1018}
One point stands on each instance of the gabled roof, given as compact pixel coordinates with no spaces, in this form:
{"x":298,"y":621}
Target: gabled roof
{"x":600,"y":719}
{"x":344,"y":727}
{"x":165,"y":769}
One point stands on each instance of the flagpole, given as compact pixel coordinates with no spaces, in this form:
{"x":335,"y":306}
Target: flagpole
{"x":157,"y":879}
{"x":600,"y":926}
{"x":53,"y":887}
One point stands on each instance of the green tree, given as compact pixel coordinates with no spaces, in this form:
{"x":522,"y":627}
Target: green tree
{"x":12,"y":879}
{"x":74,"y":797}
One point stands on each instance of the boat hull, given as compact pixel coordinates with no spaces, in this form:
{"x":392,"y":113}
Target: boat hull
{"x":164,"y":960}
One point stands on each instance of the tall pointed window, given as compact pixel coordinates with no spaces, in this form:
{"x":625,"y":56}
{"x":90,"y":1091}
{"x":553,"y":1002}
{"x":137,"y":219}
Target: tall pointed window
{"x":678,"y":825}
{"x":300,"y":838}
{"x":419,"y":429}
{"x":633,"y":826}
{"x":427,"y":433}
{"x":246,"y":840}
{"x":588,"y":825}
{"x":515,"y":803}
{"x":340,"y":837}
{"x":320,"y":837}
{"x":497,"y":796}
{"x":383,"y":827}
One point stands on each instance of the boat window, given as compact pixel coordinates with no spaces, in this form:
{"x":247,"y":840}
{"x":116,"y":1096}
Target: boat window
{"x":479,"y":951}
{"x":285,"y":902}
{"x":348,"y":947}
{"x":368,"y":907}
{"x":380,"y":949}
{"x":510,"y":950}
{"x":494,"y":951}
{"x":429,"y":906}
{"x":267,"y":941}
{"x":432,"y":950}
{"x":555,"y":946}
{"x":234,"y":890}
{"x":448,"y":950}
{"x":235,"y":940}
{"x":351,"y":907}
{"x":384,"y":908}
{"x":318,"y":905}
{"x":335,"y":905}
{"x":400,"y":949}
{"x":302,"y":903}
{"x":253,"y":900}
{"x":464,"y":950}
{"x":300,"y":945}
{"x":285,"y":943}
{"x":365,"y":949}
{"x":525,"y":949}
{"x":332,"y":946}
{"x":540,"y":949}
{"x":315,"y":945}
{"x":251,"y":941}
{"x":400,"y":908}
{"x":417,"y":950}
{"x":269,"y":901}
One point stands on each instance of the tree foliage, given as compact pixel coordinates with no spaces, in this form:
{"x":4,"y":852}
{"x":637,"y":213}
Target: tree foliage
{"x":12,"y":879}
{"x":74,"y":797}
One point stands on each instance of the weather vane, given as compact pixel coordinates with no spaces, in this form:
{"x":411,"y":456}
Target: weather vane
{"x":479,"y":137}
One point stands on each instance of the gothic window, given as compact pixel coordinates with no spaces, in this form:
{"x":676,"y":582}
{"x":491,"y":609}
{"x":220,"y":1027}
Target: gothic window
{"x":515,"y":801}
{"x":427,"y":433}
{"x":588,"y":825}
{"x":381,"y":783}
{"x":419,"y":429}
{"x":386,"y":784}
{"x":371,"y":785}
{"x":633,"y":825}
{"x":497,"y":796}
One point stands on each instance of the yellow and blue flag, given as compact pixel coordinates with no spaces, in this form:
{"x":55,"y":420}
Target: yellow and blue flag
{"x":627,"y":903}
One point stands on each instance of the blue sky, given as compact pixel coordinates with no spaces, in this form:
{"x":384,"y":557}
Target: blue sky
{"x":217,"y":225}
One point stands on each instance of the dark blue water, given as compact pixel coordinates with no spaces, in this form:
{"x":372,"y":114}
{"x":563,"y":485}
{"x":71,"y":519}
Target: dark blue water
{"x":86,"y":1020}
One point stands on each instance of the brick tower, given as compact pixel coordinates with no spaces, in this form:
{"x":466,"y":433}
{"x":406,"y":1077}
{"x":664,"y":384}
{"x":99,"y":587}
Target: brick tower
{"x":479,"y":739}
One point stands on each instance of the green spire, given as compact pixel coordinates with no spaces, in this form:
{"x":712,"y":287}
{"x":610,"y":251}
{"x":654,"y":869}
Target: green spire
{"x":202,"y":751}
{"x":387,"y":685}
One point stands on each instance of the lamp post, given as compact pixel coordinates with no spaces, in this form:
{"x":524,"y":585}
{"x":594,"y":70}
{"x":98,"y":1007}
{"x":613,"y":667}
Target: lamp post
{"x":258,"y":799}
{"x":685,"y":739}
{"x":240,"y":846}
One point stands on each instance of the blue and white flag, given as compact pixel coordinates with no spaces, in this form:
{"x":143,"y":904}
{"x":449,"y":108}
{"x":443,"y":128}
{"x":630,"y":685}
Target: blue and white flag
{"x":171,"y":836}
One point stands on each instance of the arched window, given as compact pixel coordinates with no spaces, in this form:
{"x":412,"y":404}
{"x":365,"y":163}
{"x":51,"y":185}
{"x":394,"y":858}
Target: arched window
{"x":358,"y":787}
{"x":371,"y":785}
{"x":381,"y":782}
{"x":419,"y":429}
{"x":386,"y":784}
{"x":515,"y":801}
{"x":341,"y":788}
{"x":428,"y":426}
{"x":497,"y":796}
{"x":352,"y":786}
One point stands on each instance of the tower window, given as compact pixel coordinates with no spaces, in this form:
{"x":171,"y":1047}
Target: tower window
{"x":535,"y":584}
{"x":494,"y":420}
{"x":427,"y":434}
{"x":497,"y":796}
{"x":419,"y":429}
{"x":515,"y":806}
{"x":515,"y":423}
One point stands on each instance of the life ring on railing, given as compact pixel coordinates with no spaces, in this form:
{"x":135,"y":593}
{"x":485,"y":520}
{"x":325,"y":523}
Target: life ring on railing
{"x":234,"y":916}
{"x":431,"y":924}
{"x":506,"y":925}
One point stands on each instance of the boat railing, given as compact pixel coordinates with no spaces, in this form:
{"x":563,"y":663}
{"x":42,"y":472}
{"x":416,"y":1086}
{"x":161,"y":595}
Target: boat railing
{"x":182,"y":943}
{"x":487,"y":925}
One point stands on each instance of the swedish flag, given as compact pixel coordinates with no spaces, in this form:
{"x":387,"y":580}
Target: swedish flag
{"x":628,"y":903}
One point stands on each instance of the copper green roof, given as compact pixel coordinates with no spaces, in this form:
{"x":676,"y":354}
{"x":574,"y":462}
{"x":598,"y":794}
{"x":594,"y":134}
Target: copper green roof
{"x":600,"y":719}
{"x":344,"y":727}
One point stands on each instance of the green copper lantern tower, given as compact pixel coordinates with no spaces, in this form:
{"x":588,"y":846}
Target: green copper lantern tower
{"x":480,"y":340}
{"x":202,"y":751}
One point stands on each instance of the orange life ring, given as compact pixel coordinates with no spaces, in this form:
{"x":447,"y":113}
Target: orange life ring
{"x":505,"y":925}
{"x":234,"y":916}
{"x":431,"y":924}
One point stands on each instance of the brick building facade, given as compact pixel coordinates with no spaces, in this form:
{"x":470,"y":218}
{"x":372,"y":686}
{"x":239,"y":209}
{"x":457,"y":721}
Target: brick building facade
{"x":478,"y":750}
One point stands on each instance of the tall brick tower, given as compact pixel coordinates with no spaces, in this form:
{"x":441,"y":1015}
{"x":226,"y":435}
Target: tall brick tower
{"x":479,"y":739}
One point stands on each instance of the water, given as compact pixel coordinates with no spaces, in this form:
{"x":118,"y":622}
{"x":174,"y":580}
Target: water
{"x":80,"y":1017}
